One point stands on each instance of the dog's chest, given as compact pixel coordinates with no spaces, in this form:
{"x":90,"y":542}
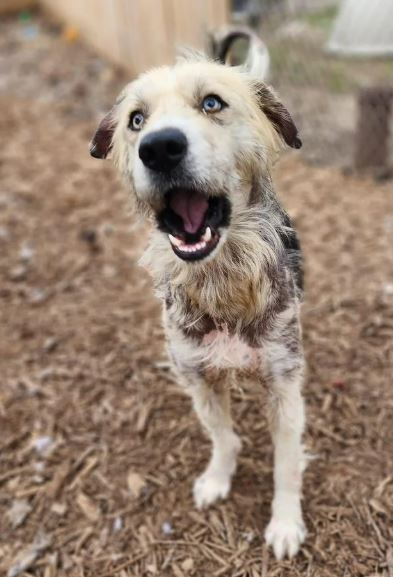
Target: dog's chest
{"x":223,"y":350}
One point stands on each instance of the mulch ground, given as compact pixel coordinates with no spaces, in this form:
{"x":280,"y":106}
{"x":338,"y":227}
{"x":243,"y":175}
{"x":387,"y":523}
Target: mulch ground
{"x":98,"y":446}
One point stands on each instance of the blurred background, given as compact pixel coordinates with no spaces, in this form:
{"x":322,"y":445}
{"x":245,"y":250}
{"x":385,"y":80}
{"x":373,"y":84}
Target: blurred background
{"x":98,"y":447}
{"x":329,"y":60}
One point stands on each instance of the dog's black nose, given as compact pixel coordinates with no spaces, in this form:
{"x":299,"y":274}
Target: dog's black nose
{"x":163,"y":150}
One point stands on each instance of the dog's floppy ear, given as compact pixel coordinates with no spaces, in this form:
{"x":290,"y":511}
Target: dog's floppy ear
{"x":101,"y":143}
{"x":256,"y":64}
{"x":278,"y":115}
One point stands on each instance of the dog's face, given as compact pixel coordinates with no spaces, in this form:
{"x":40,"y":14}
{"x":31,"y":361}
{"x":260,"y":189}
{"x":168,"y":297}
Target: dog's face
{"x":191,"y":139}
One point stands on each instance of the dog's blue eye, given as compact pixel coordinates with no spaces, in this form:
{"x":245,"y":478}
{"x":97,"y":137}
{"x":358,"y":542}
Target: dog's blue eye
{"x":212,"y":103}
{"x":136,"y":120}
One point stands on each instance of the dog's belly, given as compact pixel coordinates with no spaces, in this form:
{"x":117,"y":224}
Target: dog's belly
{"x":222,"y":350}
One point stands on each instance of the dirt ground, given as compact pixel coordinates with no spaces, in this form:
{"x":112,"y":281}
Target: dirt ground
{"x":98,"y":446}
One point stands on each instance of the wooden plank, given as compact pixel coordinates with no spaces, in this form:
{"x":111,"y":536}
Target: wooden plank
{"x":10,"y":6}
{"x":143,"y":29}
{"x":193,"y":21}
{"x":139,"y":34}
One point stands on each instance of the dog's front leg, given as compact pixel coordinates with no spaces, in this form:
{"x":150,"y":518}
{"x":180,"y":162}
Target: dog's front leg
{"x":211,"y":401}
{"x":286,"y":530}
{"x":213,"y":409}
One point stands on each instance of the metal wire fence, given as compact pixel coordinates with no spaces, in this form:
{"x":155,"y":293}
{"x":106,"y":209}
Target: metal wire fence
{"x":332,"y":63}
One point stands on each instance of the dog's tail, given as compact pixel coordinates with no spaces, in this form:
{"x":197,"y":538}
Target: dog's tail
{"x":256,"y":61}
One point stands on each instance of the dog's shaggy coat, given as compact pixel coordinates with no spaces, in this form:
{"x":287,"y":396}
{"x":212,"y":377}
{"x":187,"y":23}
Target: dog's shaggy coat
{"x":235,"y":304}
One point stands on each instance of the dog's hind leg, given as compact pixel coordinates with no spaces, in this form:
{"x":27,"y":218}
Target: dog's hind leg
{"x":286,"y":530}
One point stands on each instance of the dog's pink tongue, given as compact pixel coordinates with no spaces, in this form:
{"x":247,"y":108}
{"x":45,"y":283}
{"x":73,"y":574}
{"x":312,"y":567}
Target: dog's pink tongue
{"x":191,"y":207}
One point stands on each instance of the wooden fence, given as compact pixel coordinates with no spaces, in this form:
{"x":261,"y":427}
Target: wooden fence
{"x":138,"y":34}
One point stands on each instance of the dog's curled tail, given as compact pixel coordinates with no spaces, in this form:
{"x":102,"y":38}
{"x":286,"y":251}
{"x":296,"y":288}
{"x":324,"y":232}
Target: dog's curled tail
{"x":257,"y":61}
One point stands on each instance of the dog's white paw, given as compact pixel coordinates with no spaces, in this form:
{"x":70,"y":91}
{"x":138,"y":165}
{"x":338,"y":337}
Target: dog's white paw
{"x":285,"y":536}
{"x":209,"y":487}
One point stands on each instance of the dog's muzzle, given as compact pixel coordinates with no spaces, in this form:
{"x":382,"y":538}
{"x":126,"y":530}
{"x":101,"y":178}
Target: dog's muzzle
{"x":192,"y":219}
{"x":163,"y":150}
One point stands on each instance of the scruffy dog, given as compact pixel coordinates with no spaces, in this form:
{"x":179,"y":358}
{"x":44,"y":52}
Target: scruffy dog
{"x":195,"y":143}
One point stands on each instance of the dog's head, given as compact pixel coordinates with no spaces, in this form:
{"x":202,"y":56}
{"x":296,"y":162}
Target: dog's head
{"x":191,"y":140}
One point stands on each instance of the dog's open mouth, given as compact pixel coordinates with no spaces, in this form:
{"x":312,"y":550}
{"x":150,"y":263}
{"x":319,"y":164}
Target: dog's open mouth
{"x":193,"y":222}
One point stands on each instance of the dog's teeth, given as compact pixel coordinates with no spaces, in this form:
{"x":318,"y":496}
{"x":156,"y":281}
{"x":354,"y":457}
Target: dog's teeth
{"x":187,"y":247}
{"x":208,"y":234}
{"x":174,"y":240}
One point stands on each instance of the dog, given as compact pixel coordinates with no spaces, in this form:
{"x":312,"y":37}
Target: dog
{"x":195,"y":143}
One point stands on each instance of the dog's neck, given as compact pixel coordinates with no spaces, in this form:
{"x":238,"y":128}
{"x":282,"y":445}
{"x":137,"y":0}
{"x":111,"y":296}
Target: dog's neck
{"x":238,"y":284}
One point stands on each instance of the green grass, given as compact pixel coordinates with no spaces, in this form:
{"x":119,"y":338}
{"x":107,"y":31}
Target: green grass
{"x":322,"y":19}
{"x":291,"y":62}
{"x":388,"y":69}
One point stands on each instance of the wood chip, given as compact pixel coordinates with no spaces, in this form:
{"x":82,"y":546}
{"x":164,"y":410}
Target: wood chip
{"x":27,"y":558}
{"x":88,"y":507}
{"x":59,"y":509}
{"x":187,"y":565}
{"x":135,"y":483}
{"x":18,"y":512}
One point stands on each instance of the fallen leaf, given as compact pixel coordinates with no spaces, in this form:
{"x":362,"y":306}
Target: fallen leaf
{"x":18,"y":512}
{"x":59,"y":509}
{"x":187,"y":565}
{"x":88,"y":507}
{"x":136,"y":483}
